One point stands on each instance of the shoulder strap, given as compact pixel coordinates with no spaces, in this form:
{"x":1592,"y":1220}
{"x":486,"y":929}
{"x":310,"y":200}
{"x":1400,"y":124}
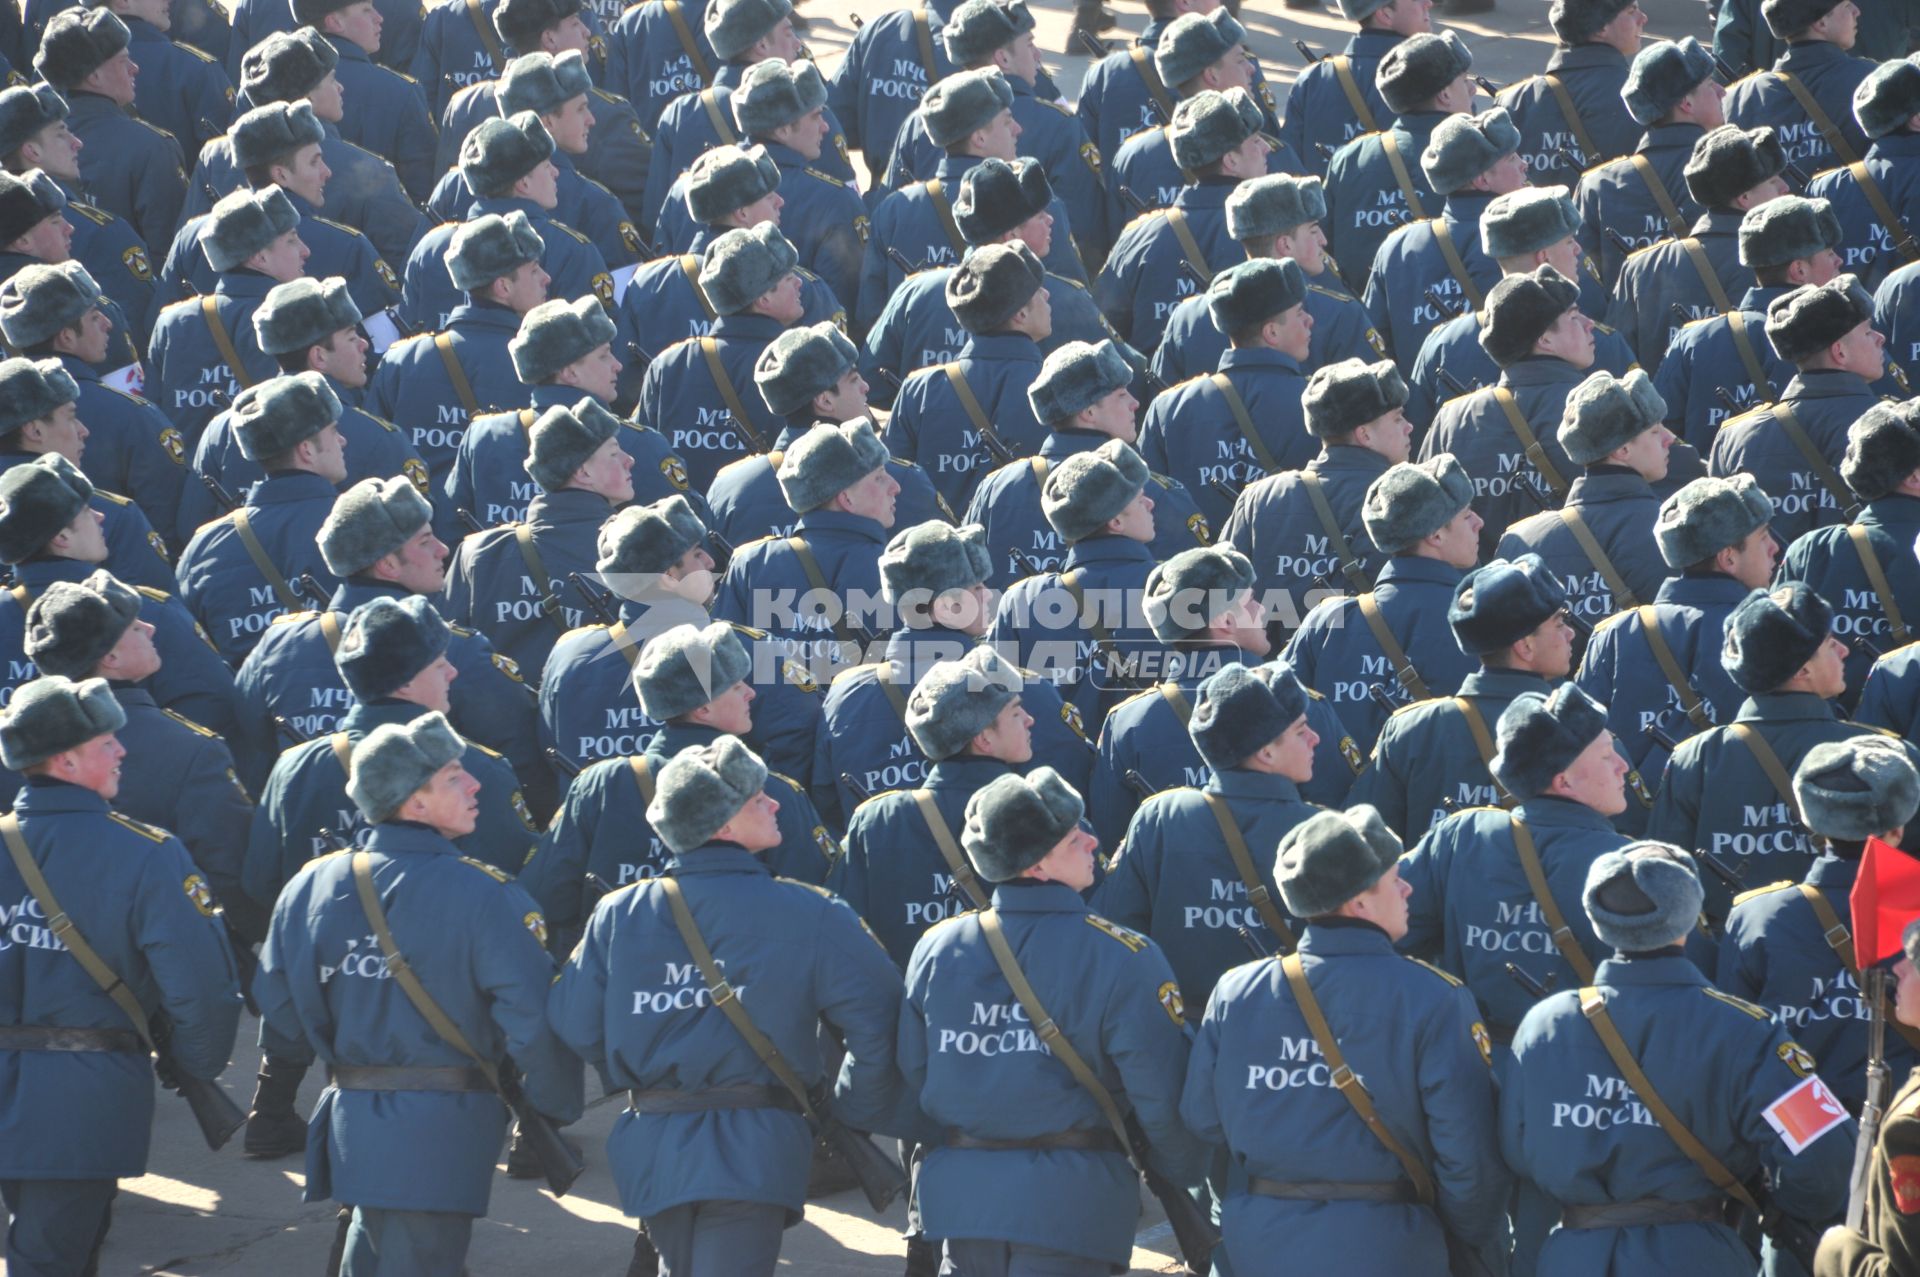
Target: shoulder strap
{"x":1040,"y":468}
{"x":21,"y":595}
{"x":1703,"y":267}
{"x":462,"y":388}
{"x":1670,"y":670}
{"x":1177,"y":223}
{"x":1102,"y":637}
{"x":1536,"y":453}
{"x":1482,"y":743}
{"x":1396,"y":655}
{"x":1244,"y":420}
{"x":895,"y":697}
{"x":1347,"y":1081}
{"x":1877,"y":577}
{"x":1597,"y":555}
{"x":642,"y":773}
{"x":688,"y":44}
{"x":1456,"y":265}
{"x":1563,"y":938}
{"x":1840,"y":940}
{"x":937,"y":194}
{"x":690,"y":267}
{"x":1398,"y":163}
{"x":1176,"y":701}
{"x":243,"y":525}
{"x":1822,"y":468}
{"x":977,"y":415}
{"x":1343,"y":71}
{"x":1770,"y":763}
{"x":1350,"y":565}
{"x":488,"y":36}
{"x":342,"y":746}
{"x":957,"y":865}
{"x":923,"y":40}
{"x":1662,"y":198}
{"x":710,"y":101}
{"x":66,"y":933}
{"x":710,"y":351}
{"x":1571,"y":114}
{"x":530,"y":555}
{"x":222,"y":339}
{"x":1896,"y":229}
{"x":1593,"y":1005}
{"x":810,"y":566}
{"x":1156,"y":89}
{"x":1750,"y":355}
{"x":1257,"y":894}
{"x":624,"y":644}
{"x":1835,"y":139}
{"x":330,"y":630}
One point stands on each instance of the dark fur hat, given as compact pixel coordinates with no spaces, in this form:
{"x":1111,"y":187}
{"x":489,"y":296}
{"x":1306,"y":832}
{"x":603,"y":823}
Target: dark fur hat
{"x":1208,"y":125}
{"x":1331,"y":857}
{"x":1804,"y":322}
{"x":489,"y":247}
{"x":369,"y":521}
{"x":1089,"y":489}
{"x":1238,"y":710}
{"x":40,"y":300}
{"x":1779,"y":231}
{"x":1465,"y":146}
{"x":804,"y":361}
{"x":734,"y":26}
{"x":1664,"y":72}
{"x":1254,"y":292}
{"x":555,"y":334}
{"x":286,"y":66}
{"x":394,"y":760}
{"x":963,"y":102}
{"x":932,"y":558}
{"x":31,"y":389}
{"x":1413,"y":500}
{"x":499,"y":152}
{"x":1883,"y":445}
{"x":687,"y":667}
{"x":386,"y":642}
{"x":775,"y":93}
{"x":955,"y":701}
{"x":1520,"y":309}
{"x":729,"y":178}
{"x":1707,"y":516}
{"x":76,"y":43}
{"x":1419,"y":68}
{"x":978,"y":27}
{"x":1604,"y":412}
{"x":1015,"y":821}
{"x":1643,"y":896}
{"x":266,"y":133}
{"x":244,"y":223}
{"x":22,"y":206}
{"x":1076,"y":376}
{"x":643,"y":540}
{"x":73,"y":626}
{"x":52,"y":715}
{"x":1788,"y":18}
{"x":1187,"y":592}
{"x":521,"y":22}
{"x":827,"y":460}
{"x":303,"y":312}
{"x":38,"y":500}
{"x":1772,"y":634}
{"x":1730,"y":161}
{"x":543,"y":82}
{"x":1539,"y":737}
{"x":744,"y":264}
{"x":1578,"y":21}
{"x":1882,"y":103}
{"x":1193,"y":42}
{"x":277,"y":416}
{"x":992,"y":283}
{"x":1344,"y":396}
{"x":25,"y":109}
{"x":1499,"y":603}
{"x":563,"y":438}
{"x":996,"y":196}
{"x":1855,"y":789}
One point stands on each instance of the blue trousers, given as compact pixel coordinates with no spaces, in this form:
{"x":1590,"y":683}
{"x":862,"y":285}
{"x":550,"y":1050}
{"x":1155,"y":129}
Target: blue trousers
{"x":58,"y":1224}
{"x":976,"y":1258}
{"x":718,"y":1239}
{"x":406,"y":1243}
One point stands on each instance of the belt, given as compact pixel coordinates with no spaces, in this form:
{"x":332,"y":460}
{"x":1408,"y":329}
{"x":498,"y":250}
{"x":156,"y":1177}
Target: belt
{"x":53,"y":1037}
{"x":1086,"y":1140}
{"x":713,"y":1097}
{"x":1646,"y":1210}
{"x":380,"y":1077}
{"x":1397,"y":1192}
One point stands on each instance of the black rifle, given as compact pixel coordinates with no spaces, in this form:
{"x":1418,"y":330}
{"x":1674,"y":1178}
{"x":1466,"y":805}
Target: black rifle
{"x":640,"y":354}
{"x":561,"y":763}
{"x":1487,"y":86}
{"x":1727,"y":74}
{"x":1452,"y":384}
{"x":466,"y":517}
{"x":1193,"y":1229}
{"x":598,"y":888}
{"x":1381,"y":697}
{"x":213,"y":1110}
{"x":1252,"y":942}
{"x":889,"y":376}
{"x":1619,"y":241}
{"x":755,"y":444}
{"x":860,"y":792}
{"x":1226,"y":488}
{"x":1325,"y":150}
{"x":596,"y":601}
{"x":1445,"y":305}
{"x":1866,"y":646}
{"x":1096,"y":47}
{"x":1022,"y":562}
{"x":309,"y":589}
{"x":1132,"y":201}
{"x":721,"y":543}
{"x":1306,"y":51}
{"x":1139,"y":784}
{"x":899,"y":259}
{"x":1572,"y":157}
{"x":220,"y":492}
{"x":292,"y":733}
{"x":1535,"y":989}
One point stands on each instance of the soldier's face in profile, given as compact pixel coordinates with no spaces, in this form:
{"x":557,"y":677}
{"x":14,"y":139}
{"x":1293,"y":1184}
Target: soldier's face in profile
{"x":597,"y":373}
{"x":1009,"y":737}
{"x":449,"y":802}
{"x":783,"y":301}
{"x":326,"y":99}
{"x":730,"y":712}
{"x":94,"y":764}
{"x":1862,"y":351}
{"x":692,"y":577}
{"x":1623,"y":31}
{"x":57,"y":150}
{"x":305,"y":175}
{"x":571,"y":125}
{"x":134,"y":656}
{"x":1409,"y":17}
{"x":1841,"y":24}
{"x":1294,"y":332}
{"x":432,"y":687}
{"x":807,"y":135}
{"x":155,"y":12}
{"x":1244,"y":624}
{"x":1708,"y":103}
{"x":522,"y":290}
{"x":569,"y":35}
{"x":998,"y":138}
{"x":1827,"y":671}
{"x":1307,"y":246}
{"x":1508,"y":174}
{"x":60,"y":431}
{"x":1458,"y":542}
{"x":1647,"y":453}
{"x":1384,"y":904}
{"x":113,"y":79}
{"x":970,"y":610}
{"x":1752,"y":561}
{"x":1115,"y":414}
{"x":1551,"y":647}
{"x":847,"y":399}
{"x":755,"y":826}
{"x":1070,"y":862}
{"x":50,"y":240}
{"x":609,"y":472}
{"x":1036,"y":233}
{"x":343,"y":357}
{"x":872,"y":497}
{"x":1234,"y":70}
{"x":1597,"y":778}
{"x":284,"y":259}
{"x":420,"y":565}
{"x":83,"y":540}
{"x":1136,"y":521}
{"x":328,"y":454}
{"x":1293,"y":751}
{"x":1823,"y":267}
{"x":1390,"y":435}
{"x":541,"y":185}
{"x":1570,"y":338}
{"x":359,"y":23}
{"x":1906,"y":992}
{"x":765,"y":209}
{"x":781,"y":42}
{"x":91,"y":335}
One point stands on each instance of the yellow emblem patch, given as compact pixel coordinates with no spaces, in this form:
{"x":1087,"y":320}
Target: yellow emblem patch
{"x":1197,"y":524}
{"x":1375,"y":340}
{"x":416,"y":472}
{"x":525,"y":812}
{"x":1483,"y":1040}
{"x":135,"y":260}
{"x":1796,"y":1057}
{"x":1070,"y":715}
{"x":603,"y":289}
{"x":159,"y":546}
{"x":675,"y":470}
{"x":1351,"y":752}
{"x":824,"y":840}
{"x":386,"y":274}
{"x":630,"y":236}
{"x":537,"y":925}
{"x":1091,"y":154}
{"x":1132,"y":939}
{"x":798,"y":676}
{"x":1171,"y":1003}
{"x":863,"y":228}
{"x":175,"y":445}
{"x":196,"y":888}
{"x":508,"y":666}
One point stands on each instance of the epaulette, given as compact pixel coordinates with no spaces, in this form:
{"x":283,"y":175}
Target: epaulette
{"x":1594,"y":169}
{"x":98,"y":216}
{"x":1337,"y":295}
{"x":1607,"y":329}
{"x":1053,"y":279}
{"x":1645,"y":249}
{"x":1869,"y":727}
{"x":498,"y":875}
{"x":1153,"y":691}
{"x":490,"y":753}
{"x":1738,"y":1004}
{"x":1767,"y":890}
{"x":588,"y":628}
{"x":738,"y":550}
{"x":1055,"y":105}
{"x":569,"y":230}
{"x":828,"y":178}
{"x":193,"y":301}
{"x":379,"y":420}
{"x":404,"y":76}
{"x":1742,"y":418}
{"x":1143,"y":218}
{"x":342,"y":226}
{"x":1312,"y":694}
{"x":747,"y":631}
{"x":334,"y":854}
{"x":188,"y":723}
{"x":797,"y":786}
{"x":1607,"y":622}
{"x":1482,"y":807}
{"x":145,"y":830}
{"x":1448,"y":976}
{"x":196,"y":51}
{"x":796,"y":882}
{"x":903,"y":462}
{"x":157,"y":595}
{"x":603,"y":95}
{"x":409,"y":338}
{"x":1133,"y":940}
{"x":114,"y":497}
{"x":291,"y":618}
{"x":165,"y":133}
{"x":1414,"y":705}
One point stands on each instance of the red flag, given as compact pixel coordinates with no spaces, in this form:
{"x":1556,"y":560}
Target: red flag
{"x":1886,"y":897}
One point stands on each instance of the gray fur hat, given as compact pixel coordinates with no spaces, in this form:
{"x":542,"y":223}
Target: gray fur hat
{"x":500,"y":151}
{"x":1465,"y":146}
{"x":1883,"y":102}
{"x":701,"y":789}
{"x":729,"y":178}
{"x":743,"y":265}
{"x":394,"y":760}
{"x":24,"y":203}
{"x":1788,"y":18}
{"x":1361,"y":10}
{"x":277,"y":416}
{"x":1413,"y":500}
{"x":76,"y":43}
{"x":31,"y":389}
{"x":827,"y":460}
{"x":1772,"y":634}
{"x":1186,"y":592}
{"x":1528,"y":220}
{"x":519,"y":23}
{"x":52,"y":715}
{"x":287,"y":65}
{"x":369,"y":521}
{"x":1578,"y":21}
{"x":1076,"y":376}
{"x":1239,"y":709}
{"x":1419,"y":68}
{"x":931,"y":558}
{"x":72,"y":626}
{"x":1851,"y":790}
{"x":555,"y":334}
{"x":1277,"y":204}
{"x":802,"y":362}
{"x":734,"y":26}
{"x":991,"y":285}
{"x":1707,"y":516}
{"x":386,"y":642}
{"x":641,"y":540}
{"x":775,"y":93}
{"x":492,"y":246}
{"x":1193,"y":42}
{"x":978,"y":27}
{"x":303,"y":312}
{"x":1663,"y":72}
{"x":1331,"y":857}
{"x":963,"y":102}
{"x":955,"y":701}
{"x":1645,"y":895}
{"x":1208,"y":125}
{"x":563,"y":438}
{"x":1255,"y":291}
{"x":266,"y":133}
{"x":1538,"y":737}
{"x":996,"y":196}
{"x":311,"y":13}
{"x":25,"y":109}
{"x":1730,"y":161}
{"x":1804,"y":322}
{"x":1499,"y":603}
{"x":1784,"y":229}
{"x":38,"y":500}
{"x":1604,"y":412}
{"x":245,"y":222}
{"x":40,"y":300}
{"x":1342,"y":397}
{"x":1089,"y":489}
{"x":543,"y":82}
{"x":1014,"y":821}
{"x":1520,"y":309}
{"x":687,"y":667}
{"x":1883,"y":444}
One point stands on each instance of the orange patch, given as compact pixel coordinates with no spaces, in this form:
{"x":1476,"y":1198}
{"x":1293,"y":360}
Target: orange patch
{"x":1905,"y":1173}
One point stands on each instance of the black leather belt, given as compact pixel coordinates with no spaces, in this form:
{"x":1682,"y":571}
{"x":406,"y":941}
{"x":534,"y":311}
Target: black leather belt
{"x":1091,"y":1141}
{"x":1315,"y":1190}
{"x":713,"y":1097}
{"x":53,"y":1037}
{"x":380,"y":1077}
{"x":1645,"y":1210}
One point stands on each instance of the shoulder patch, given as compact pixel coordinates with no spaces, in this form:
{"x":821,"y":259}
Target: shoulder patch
{"x":1869,"y":727}
{"x":1448,"y":976}
{"x":354,"y":231}
{"x":158,"y":596}
{"x":1738,"y":1004}
{"x":1607,"y":622}
{"x":828,"y":178}
{"x":114,"y":497}
{"x":1767,"y":890}
{"x":806,"y":886}
{"x":498,"y":875}
{"x":747,"y":631}
{"x":1133,"y":940}
{"x":189,"y":724}
{"x":490,"y":753}
{"x":152,"y":833}
{"x":290,"y":618}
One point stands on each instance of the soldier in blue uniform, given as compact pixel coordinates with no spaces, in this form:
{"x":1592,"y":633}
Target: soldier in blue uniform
{"x":395,"y":23}
{"x":1671,"y":93}
{"x":234,"y":573}
{"x":405,"y":1132}
{"x":79,"y":1109}
{"x":1818,"y":35}
{"x":1661,"y":288}
{"x":1891,"y":697}
{"x":1596,"y":41}
{"x":888,"y":67}
{"x":1623,"y":1188}
{"x":461,"y":46}
{"x":382,"y":109}
{"x":200,"y":23}
{"x":1886,"y":105}
{"x":1744,"y":38}
{"x":180,"y":88}
{"x":1421,"y":516}
{"x":1216,"y":434}
{"x":1335,"y":100}
{"x":1826,"y":332}
{"x":130,"y":167}
{"x":1029,"y":1176}
{"x":1375,"y":181}
{"x":658,"y":50}
{"x":1314,"y":1179}
{"x":204,"y":352}
{"x":702,"y":1154}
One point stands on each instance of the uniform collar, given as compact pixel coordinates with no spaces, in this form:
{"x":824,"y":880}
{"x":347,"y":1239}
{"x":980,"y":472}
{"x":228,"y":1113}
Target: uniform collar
{"x":746,"y":327}
{"x":347,"y":49}
{"x":1670,"y":137}
{"x":911,"y":653}
{"x":782,"y":154}
{"x":853,"y":525}
{"x":1826,"y":383}
{"x":967,"y":774}
{"x":1348,"y":457}
{"x":1418,"y":125}
{"x":1207,"y":193}
{"x":1151,"y":36}
{"x":288,"y":487}
{"x":1668,"y":968}
{"x":1806,"y":55}
{"x":730,"y":75}
{"x":954,"y":167}
{"x":1404,"y":569}
{"x":1544,"y":812}
{"x":1001,"y":348}
{"x":78,"y":369}
{"x":1785,"y":707}
{"x":140,"y":31}
{"x":1541,"y":370}
{"x":356,"y":591}
{"x":1251,"y":357}
{"x":1338,"y":942}
{"x":1761,"y":296}
{"x":1594,"y":487}
{"x":367,"y":715}
{"x":545,"y":396}
{"x":1719,"y":221}
{"x":506,"y":205}
{"x":58,"y":799}
{"x":569,"y":505}
{"x":301,"y":204}
{"x":674,"y":737}
{"x":1196,"y":661}
{"x":1067,"y":441}
{"x":1895,"y":147}
{"x":1506,"y":683}
{"x":473,"y":315}
{"x":1701,"y":591}
{"x":1041,"y":897}
{"x":244,"y":283}
{"x":132,"y":696}
{"x":1107,"y":548}
{"x":1829,"y":870}
{"x":1893,"y":512}
{"x":404,"y":838}
{"x":1464,"y":208}
{"x":1238,"y":782}
{"x":716,"y":858}
{"x":38,"y":574}
{"x":1372,"y":43}
{"x":1586,"y":57}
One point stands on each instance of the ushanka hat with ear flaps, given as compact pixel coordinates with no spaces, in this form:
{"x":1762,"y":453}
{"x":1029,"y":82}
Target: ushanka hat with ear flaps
{"x":1419,"y":68}
{"x":76,"y":43}
{"x":1239,"y":709}
{"x":687,"y":667}
{"x":1882,"y":103}
{"x":543,"y":82}
{"x":1277,"y":204}
{"x":287,"y":65}
{"x":734,"y":26}
{"x":244,"y":223}
{"x":962,"y":103}
{"x":303,"y":312}
{"x":40,"y":300}
{"x":267,"y":133}
{"x":1772,"y":634}
{"x":37,"y":501}
{"x":1578,"y":21}
{"x":641,"y":540}
{"x":1662,"y":74}
{"x":1254,"y":292}
{"x":1090,"y":489}
{"x":1856,"y":789}
{"x":1331,"y":857}
{"x":24,"y":204}
{"x":955,"y":701}
{"x":1788,"y":18}
{"x":1014,"y":821}
{"x":1465,"y":146}
{"x":393,"y":761}
{"x":932,"y":558}
{"x":1645,"y":895}
{"x":978,"y":27}
{"x":25,"y":109}
{"x":1707,"y":516}
{"x":800,"y":363}
{"x":1499,"y":603}
{"x":1193,"y":42}
{"x":1784,"y":229}
{"x":31,"y":389}
{"x":1804,"y":322}
{"x":1187,"y":592}
{"x":1076,"y":376}
{"x":519,"y":23}
{"x":1520,"y":309}
{"x":1883,"y":445}
{"x":775,"y":93}
{"x":1730,"y":161}
{"x":991,"y":285}
{"x":1414,"y":500}
{"x":1538,"y":737}
{"x":701,"y":789}
{"x":555,"y":334}
{"x":1606,"y":412}
{"x":827,"y":460}
{"x":745,"y":264}
{"x":386,"y":643}
{"x":1208,"y":125}
{"x":277,"y":416}
{"x":1528,"y":220}
{"x":73,"y":626}
{"x":727,"y":179}
{"x":996,"y":196}
{"x":501,"y":151}
{"x":52,"y":715}
{"x":491,"y":247}
{"x":369,"y":521}
{"x":1342,"y":397}
{"x":564,"y":437}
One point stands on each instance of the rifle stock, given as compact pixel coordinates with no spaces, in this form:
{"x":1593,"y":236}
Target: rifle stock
{"x":1193,"y":1230}
{"x":559,"y":1163}
{"x":880,"y":1174}
{"x":213,"y":1109}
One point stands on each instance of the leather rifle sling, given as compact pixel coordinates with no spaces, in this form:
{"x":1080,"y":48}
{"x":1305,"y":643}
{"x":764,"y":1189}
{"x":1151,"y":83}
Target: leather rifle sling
{"x":1350,"y":565}
{"x":1529,"y":441}
{"x":1829,"y":132}
{"x":895,"y":697}
{"x":489,"y":38}
{"x":1189,"y":246}
{"x":1840,"y":940}
{"x":1770,"y":763}
{"x":1563,"y":938}
{"x":1877,"y":577}
{"x":1750,"y":355}
{"x":1347,"y":1082}
{"x":1176,"y":701}
{"x":1257,"y":894}
{"x":330,"y":630}
{"x":1690,"y":702}
{"x":243,"y":525}
{"x":690,"y":46}
{"x":970,"y":404}
{"x":1156,"y":88}
{"x":923,"y":41}
{"x":1597,"y":555}
{"x":1482,"y":743}
{"x":1398,"y":163}
{"x":1822,"y":468}
{"x":1343,"y":72}
{"x":1896,"y":229}
{"x":1403,"y":671}
{"x":462,"y":388}
{"x":1244,"y":420}
{"x":623,"y":644}
{"x":1571,"y":114}
{"x":1709,"y":278}
{"x":710,"y":102}
{"x":817,"y":580}
{"x":642,"y":772}
{"x":963,"y":875}
{"x":1662,"y":198}
{"x":223,"y":340}
{"x":690,"y":267}
{"x":1102,"y":637}
{"x":530,"y":555}
{"x":1456,"y":265}
{"x":342,"y":746}
{"x":937,"y":195}
{"x":710,"y":351}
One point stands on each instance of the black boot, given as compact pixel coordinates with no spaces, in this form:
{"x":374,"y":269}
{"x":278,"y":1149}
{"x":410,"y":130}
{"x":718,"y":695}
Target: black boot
{"x":646,"y":1260}
{"x":923,"y":1257}
{"x":274,"y":1129}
